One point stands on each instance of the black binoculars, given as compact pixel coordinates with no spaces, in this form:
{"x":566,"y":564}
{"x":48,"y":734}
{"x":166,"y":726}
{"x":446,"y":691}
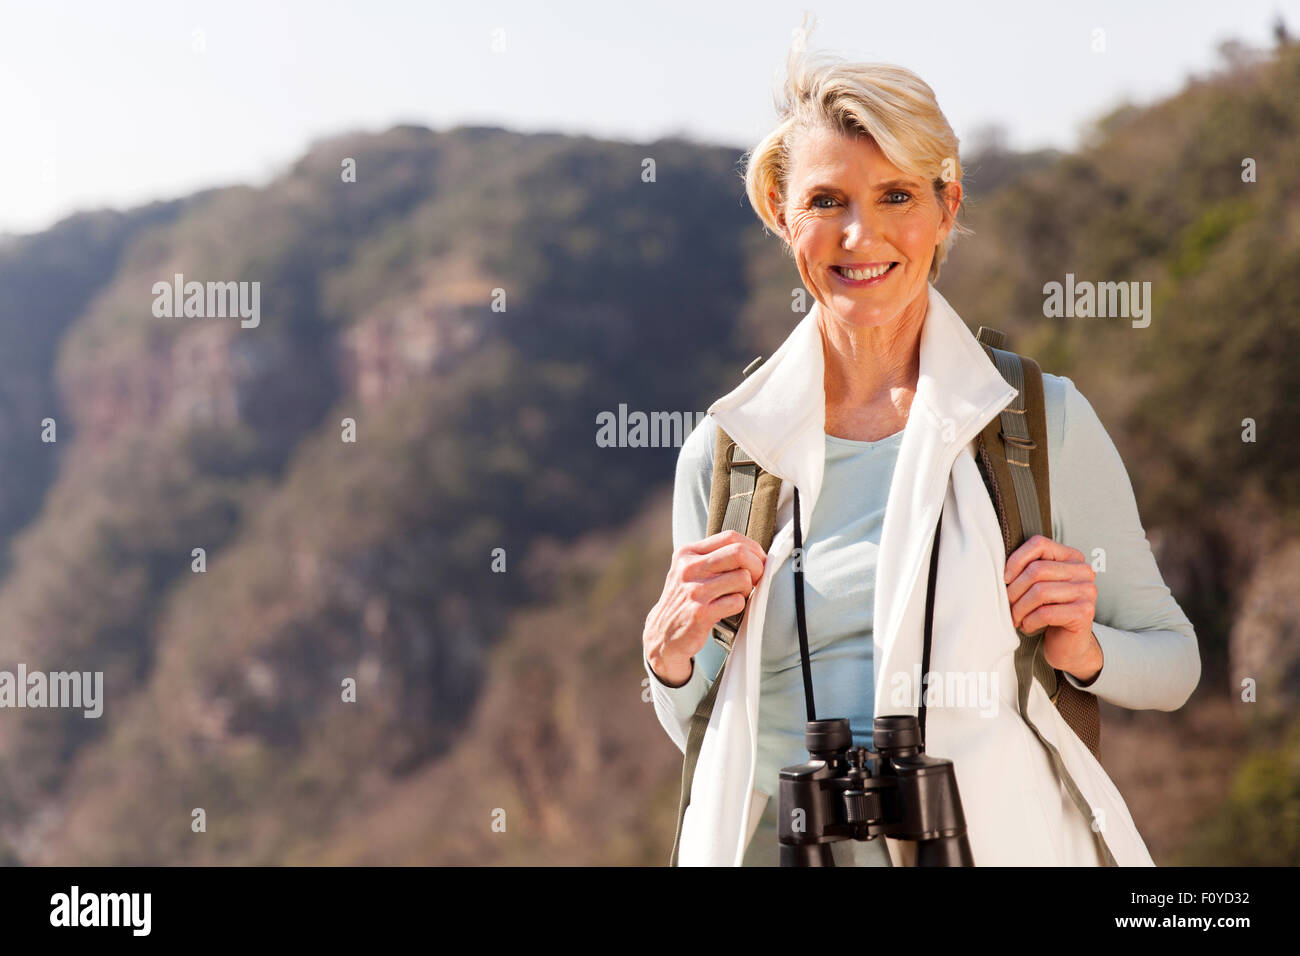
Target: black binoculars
{"x":854,"y":793}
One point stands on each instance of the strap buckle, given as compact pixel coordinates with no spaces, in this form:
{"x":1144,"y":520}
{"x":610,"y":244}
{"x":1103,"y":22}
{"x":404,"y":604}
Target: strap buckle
{"x":740,"y":457}
{"x":724,"y":635}
{"x":1026,"y":443}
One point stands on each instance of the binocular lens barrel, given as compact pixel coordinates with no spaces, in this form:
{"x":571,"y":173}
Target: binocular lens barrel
{"x":834,"y":796}
{"x":807,"y":854}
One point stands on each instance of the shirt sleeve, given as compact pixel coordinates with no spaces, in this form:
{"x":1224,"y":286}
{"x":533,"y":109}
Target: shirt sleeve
{"x":1150,"y":656}
{"x":694,"y":479}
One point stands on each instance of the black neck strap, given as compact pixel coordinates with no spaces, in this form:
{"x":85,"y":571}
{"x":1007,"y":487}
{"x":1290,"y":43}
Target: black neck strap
{"x":801,"y":618}
{"x":929,"y":626}
{"x":799,"y":613}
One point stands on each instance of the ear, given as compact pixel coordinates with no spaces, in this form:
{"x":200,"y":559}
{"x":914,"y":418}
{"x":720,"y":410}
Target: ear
{"x":952,"y":193}
{"x":778,"y":213}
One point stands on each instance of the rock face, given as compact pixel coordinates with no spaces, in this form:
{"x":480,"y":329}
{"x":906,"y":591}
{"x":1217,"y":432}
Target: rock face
{"x":1265,"y":642}
{"x":340,"y":560}
{"x":356,"y":674}
{"x":400,"y":342}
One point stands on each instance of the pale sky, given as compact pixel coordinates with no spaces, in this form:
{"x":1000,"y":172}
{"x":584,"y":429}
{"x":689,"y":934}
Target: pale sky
{"x":118,"y":104}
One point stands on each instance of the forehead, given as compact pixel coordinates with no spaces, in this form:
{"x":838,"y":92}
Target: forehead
{"x":824,"y":156}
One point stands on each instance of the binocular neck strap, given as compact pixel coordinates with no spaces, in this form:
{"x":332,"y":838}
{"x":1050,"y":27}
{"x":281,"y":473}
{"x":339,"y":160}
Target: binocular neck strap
{"x":801,"y":618}
{"x":929,"y":625}
{"x":799,"y":613}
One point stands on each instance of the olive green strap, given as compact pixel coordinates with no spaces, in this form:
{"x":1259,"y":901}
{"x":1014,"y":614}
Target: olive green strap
{"x":1025,"y":654}
{"x":739,"y":505}
{"x":1017,"y":444}
{"x":1015,"y":434}
{"x":694,"y":740}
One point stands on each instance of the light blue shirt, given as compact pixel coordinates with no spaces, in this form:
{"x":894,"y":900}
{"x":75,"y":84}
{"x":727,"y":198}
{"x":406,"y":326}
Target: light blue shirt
{"x":839,"y":602}
{"x":1151,"y":660}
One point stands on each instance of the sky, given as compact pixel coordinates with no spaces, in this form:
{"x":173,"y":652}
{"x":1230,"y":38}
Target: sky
{"x":118,"y":104}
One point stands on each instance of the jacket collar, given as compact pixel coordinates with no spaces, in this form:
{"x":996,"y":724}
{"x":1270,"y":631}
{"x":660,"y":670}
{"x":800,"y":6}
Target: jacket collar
{"x":778,"y":413}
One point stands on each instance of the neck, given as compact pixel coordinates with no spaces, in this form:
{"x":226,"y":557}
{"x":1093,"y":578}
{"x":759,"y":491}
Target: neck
{"x":876,"y":365}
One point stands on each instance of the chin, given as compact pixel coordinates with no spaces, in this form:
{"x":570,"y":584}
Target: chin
{"x":863,"y":315}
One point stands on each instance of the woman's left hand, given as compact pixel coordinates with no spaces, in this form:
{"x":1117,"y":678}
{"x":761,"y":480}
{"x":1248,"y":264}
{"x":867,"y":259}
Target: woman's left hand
{"x":1053,"y":585}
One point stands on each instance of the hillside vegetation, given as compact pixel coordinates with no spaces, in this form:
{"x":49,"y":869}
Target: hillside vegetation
{"x":516,"y":694}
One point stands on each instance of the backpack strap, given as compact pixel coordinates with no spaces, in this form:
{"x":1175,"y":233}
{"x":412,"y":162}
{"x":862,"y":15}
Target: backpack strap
{"x":743,"y":498}
{"x":1014,"y":446}
{"x":1017,"y":444}
{"x":1013,"y":457}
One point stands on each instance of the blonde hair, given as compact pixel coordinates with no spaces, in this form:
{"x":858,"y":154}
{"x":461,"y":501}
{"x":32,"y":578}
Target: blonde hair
{"x":890,"y":104}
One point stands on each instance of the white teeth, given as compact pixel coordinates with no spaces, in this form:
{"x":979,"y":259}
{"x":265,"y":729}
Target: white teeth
{"x":865,"y":273}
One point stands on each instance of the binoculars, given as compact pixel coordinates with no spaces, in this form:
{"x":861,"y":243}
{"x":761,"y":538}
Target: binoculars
{"x":854,"y":793}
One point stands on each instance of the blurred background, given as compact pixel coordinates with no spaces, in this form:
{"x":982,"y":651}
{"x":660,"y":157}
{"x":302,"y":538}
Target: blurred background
{"x":478,"y":227}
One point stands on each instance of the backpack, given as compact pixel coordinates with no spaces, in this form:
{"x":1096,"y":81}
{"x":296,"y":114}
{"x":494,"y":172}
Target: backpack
{"x":1012,"y":458}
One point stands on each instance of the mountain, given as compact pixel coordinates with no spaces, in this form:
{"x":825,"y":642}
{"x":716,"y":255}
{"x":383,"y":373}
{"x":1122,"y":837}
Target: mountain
{"x":396,"y":484}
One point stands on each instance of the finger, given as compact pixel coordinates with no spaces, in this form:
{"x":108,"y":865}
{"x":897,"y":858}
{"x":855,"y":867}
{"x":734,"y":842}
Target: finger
{"x":732,"y":582}
{"x":1043,"y":570}
{"x":725,"y":606}
{"x":723,"y":538}
{"x":1051,"y":592}
{"x":729,"y":558}
{"x":1035,"y":548}
{"x":1071,"y":616}
{"x":1028,"y":551}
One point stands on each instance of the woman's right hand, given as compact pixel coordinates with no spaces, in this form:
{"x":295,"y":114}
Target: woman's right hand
{"x":707,"y":581}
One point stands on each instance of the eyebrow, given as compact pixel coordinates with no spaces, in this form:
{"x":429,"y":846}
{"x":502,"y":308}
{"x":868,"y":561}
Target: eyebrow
{"x":888,"y":184}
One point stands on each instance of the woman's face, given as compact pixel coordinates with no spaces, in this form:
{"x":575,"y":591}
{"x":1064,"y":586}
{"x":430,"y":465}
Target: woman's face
{"x":850,"y":212}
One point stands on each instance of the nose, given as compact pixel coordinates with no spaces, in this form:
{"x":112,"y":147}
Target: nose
{"x":858,"y":227}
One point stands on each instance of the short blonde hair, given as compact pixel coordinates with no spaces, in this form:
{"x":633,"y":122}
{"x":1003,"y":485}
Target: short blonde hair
{"x":890,"y":104}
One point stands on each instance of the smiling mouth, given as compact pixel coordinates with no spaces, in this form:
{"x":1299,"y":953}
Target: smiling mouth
{"x":859,"y":275}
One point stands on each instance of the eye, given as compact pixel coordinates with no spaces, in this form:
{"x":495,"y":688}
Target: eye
{"x":818,"y":198}
{"x":899,"y":192}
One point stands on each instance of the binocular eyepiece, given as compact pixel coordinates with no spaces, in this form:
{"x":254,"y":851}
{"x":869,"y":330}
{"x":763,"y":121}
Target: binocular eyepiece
{"x":855,"y":793}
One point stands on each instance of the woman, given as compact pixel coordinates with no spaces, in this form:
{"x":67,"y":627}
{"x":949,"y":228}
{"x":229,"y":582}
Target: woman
{"x":869,"y":410}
